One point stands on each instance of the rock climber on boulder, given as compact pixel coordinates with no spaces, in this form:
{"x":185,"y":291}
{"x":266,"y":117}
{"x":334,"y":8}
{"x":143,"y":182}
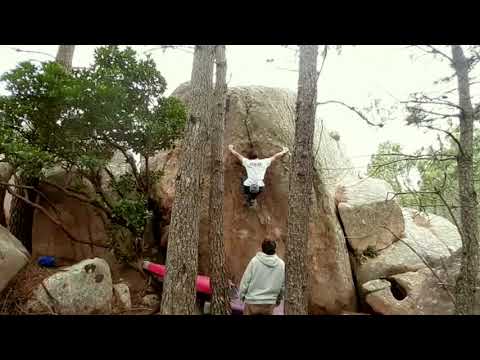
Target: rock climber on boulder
{"x":256,"y":168}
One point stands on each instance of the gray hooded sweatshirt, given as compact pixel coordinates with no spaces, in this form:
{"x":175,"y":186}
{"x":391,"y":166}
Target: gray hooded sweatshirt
{"x":264,"y":280}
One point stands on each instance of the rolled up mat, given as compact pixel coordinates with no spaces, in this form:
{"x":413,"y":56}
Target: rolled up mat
{"x":47,"y":261}
{"x":203,"y":282}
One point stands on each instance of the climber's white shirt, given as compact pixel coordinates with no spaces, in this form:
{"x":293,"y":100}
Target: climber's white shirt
{"x":256,"y":170}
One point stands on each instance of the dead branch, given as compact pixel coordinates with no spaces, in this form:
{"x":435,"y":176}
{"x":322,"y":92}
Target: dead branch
{"x":408,"y":193}
{"x":130,"y":160}
{"x":433,"y":50}
{"x":351,"y":108}
{"x":421,"y":157}
{"x":164,"y":48}
{"x":31,"y":52}
{"x":325,"y":51}
{"x":448,"y":133}
{"x":433,"y":102}
{"x":456,"y":89}
{"x":449,"y":209}
{"x":51,"y":218}
{"x":441,"y":115}
{"x":27,"y":187}
{"x":79,"y":197}
{"x":113,"y":180}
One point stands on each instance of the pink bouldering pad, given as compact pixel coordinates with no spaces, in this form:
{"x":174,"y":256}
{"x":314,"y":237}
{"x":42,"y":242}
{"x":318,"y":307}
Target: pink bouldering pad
{"x":203,"y":282}
{"x":204,"y":287}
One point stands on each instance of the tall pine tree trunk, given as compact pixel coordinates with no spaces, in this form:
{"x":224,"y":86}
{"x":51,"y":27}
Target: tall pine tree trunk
{"x":467,"y":278}
{"x":65,"y":56}
{"x":182,"y":251}
{"x":21,"y":213}
{"x":300,"y":188}
{"x":220,"y":297}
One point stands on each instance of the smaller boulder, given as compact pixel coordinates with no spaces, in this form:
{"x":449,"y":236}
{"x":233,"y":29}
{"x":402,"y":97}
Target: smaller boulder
{"x":366,"y":211}
{"x":122,"y":296}
{"x":151,"y":300}
{"x":13,"y":257}
{"x":82,"y":289}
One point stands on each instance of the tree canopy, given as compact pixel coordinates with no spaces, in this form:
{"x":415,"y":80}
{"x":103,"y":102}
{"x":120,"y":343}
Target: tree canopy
{"x":78,"y":119}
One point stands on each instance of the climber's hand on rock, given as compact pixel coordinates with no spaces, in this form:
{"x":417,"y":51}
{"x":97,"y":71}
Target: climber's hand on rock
{"x":230,"y":147}
{"x":285,"y":150}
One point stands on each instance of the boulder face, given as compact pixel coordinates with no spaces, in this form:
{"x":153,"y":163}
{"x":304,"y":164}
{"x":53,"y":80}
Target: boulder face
{"x":84,"y":221}
{"x":368,"y":217}
{"x":82,"y":289}
{"x":410,"y":293}
{"x":264,"y":118}
{"x":418,"y":245}
{"x":13,"y":257}
{"x":403,"y":279}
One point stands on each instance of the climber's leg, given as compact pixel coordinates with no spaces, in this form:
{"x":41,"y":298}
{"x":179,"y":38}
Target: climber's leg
{"x":252,"y":197}
{"x":246,"y":190}
{"x":249,"y":196}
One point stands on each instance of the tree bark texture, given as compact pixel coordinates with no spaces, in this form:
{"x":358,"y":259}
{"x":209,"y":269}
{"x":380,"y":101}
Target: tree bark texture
{"x":21,"y":213}
{"x":3,"y":220}
{"x":182,"y":251}
{"x":467,"y":279}
{"x":220,"y":297}
{"x":300,"y":187}
{"x":6,"y":172}
{"x":65,"y":56}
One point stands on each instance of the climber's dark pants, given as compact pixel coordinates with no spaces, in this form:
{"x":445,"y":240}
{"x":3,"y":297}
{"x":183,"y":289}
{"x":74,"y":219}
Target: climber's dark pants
{"x":246,"y":190}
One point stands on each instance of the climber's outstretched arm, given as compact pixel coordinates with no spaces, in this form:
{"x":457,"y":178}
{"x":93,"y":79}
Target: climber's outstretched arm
{"x":280,"y":154}
{"x":236,"y":154}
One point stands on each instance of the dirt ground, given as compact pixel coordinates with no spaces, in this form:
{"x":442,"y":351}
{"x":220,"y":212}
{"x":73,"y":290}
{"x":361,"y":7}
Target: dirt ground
{"x":14,"y":298}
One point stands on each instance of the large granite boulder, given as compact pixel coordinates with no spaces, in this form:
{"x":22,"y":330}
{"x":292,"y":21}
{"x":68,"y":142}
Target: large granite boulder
{"x":264,"y":118}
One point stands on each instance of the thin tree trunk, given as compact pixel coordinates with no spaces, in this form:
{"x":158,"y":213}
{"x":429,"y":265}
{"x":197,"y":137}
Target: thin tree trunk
{"x":21,"y":213}
{"x":3,"y":218}
{"x":300,"y":188}
{"x":6,"y":172}
{"x":467,"y":278}
{"x":65,"y":56}
{"x":220,"y":297}
{"x":182,"y":251}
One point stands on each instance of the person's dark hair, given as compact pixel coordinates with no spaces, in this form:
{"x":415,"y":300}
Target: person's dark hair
{"x":269,"y":246}
{"x":252,"y":154}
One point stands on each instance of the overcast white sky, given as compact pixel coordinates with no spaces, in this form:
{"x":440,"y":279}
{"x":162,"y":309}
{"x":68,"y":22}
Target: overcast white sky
{"x":356,"y":76}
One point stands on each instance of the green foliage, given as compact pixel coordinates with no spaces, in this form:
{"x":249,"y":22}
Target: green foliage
{"x":79,"y":118}
{"x":133,"y":212}
{"x":437,"y":174}
{"x":391,"y":165}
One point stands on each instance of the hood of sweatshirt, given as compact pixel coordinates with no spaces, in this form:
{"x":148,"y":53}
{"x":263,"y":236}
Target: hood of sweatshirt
{"x":267,"y":260}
